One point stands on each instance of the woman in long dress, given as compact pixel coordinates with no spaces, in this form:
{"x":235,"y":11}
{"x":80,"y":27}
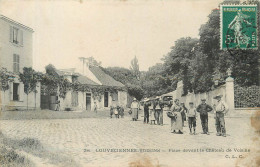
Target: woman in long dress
{"x":135,"y":107}
{"x":176,"y":122}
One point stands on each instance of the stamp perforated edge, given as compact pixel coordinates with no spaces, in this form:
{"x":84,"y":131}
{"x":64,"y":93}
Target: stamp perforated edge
{"x":221,"y":26}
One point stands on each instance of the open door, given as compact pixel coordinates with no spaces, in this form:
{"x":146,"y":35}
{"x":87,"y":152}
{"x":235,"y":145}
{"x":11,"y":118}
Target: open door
{"x":88,"y":101}
{"x":106,"y":99}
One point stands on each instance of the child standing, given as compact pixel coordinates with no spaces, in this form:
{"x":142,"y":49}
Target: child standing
{"x":116,"y":111}
{"x":95,"y":107}
{"x":191,"y":113}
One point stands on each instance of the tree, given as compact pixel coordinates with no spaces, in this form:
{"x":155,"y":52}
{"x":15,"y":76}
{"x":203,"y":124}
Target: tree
{"x":135,"y":67}
{"x":29,"y":77}
{"x":156,"y":81}
{"x":135,"y":91}
{"x":123,"y":75}
{"x":128,"y":78}
{"x":178,"y":60}
{"x":52,"y":81}
{"x":244,"y":63}
{"x":5,"y":78}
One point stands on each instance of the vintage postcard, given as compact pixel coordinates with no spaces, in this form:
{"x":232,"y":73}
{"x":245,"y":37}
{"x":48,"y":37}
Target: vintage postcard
{"x":129,"y":83}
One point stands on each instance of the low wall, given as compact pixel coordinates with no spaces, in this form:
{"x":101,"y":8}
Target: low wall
{"x":196,"y":98}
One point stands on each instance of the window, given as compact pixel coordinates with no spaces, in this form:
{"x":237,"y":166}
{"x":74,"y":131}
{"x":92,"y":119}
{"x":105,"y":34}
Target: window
{"x":16,"y":35}
{"x":16,"y":91}
{"x":16,"y":62}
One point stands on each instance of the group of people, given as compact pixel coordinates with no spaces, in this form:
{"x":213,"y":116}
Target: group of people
{"x":178,"y":113}
{"x":117,"y":110}
{"x":154,"y":110}
{"x":220,"y":109}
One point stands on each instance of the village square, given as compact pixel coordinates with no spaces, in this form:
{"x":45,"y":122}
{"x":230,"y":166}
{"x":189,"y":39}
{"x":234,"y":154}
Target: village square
{"x":198,"y":106}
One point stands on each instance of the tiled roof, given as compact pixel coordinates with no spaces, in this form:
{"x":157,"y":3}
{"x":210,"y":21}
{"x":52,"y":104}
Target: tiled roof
{"x":66,"y":72}
{"x":85,"y":80}
{"x":104,"y":78}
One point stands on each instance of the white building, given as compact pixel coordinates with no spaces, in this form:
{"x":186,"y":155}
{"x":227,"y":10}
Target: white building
{"x":15,"y":54}
{"x":93,"y":77}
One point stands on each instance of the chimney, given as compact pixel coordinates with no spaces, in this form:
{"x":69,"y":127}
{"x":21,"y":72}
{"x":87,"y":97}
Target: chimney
{"x":83,"y":60}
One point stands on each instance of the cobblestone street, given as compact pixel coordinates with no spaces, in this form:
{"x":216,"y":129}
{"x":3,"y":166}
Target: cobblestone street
{"x":83,"y":139}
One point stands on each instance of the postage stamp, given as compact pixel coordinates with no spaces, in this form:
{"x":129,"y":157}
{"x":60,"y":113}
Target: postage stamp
{"x":238,"y":27}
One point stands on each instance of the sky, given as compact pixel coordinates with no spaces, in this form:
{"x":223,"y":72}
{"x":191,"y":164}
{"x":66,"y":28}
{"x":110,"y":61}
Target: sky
{"x":111,"y":31}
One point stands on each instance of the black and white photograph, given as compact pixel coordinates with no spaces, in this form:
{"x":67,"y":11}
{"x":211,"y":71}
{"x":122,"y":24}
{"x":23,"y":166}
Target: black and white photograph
{"x":129,"y":83}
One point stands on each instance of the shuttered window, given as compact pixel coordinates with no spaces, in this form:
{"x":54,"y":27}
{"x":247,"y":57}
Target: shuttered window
{"x":16,"y":62}
{"x":16,"y":35}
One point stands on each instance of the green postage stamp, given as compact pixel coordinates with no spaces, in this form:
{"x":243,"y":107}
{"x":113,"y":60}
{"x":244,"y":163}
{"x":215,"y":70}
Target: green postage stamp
{"x":238,"y":27}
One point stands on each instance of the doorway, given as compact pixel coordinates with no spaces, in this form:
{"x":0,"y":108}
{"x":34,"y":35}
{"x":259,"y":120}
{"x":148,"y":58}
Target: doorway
{"x":106,"y":99}
{"x":88,"y":101}
{"x":15,"y":91}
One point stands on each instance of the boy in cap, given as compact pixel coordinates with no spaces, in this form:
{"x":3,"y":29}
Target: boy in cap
{"x":220,"y":109}
{"x":191,"y":113}
{"x":203,"y":109}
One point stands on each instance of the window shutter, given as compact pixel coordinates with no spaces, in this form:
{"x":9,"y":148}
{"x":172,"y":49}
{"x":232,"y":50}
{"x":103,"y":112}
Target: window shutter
{"x":18,"y":63}
{"x":21,"y":91}
{"x":11,"y":34}
{"x":14,"y":63}
{"x":21,"y":37}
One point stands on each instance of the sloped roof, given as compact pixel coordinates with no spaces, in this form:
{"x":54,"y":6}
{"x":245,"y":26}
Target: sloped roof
{"x":15,"y":22}
{"x":104,"y":78}
{"x":85,"y":80}
{"x":66,"y":72}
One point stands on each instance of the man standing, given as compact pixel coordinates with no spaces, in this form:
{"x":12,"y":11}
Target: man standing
{"x":220,"y":110}
{"x":158,"y":108}
{"x":146,"y":111}
{"x":203,"y":109}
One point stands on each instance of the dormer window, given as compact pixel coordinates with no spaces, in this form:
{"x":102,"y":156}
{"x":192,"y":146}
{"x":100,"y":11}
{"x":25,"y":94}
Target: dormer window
{"x":16,"y":35}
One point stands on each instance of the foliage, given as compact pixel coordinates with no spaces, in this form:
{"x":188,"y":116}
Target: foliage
{"x":29,"y":77}
{"x":128,"y":78}
{"x":246,"y":97}
{"x":135,"y":91}
{"x":5,"y":78}
{"x":122,"y":75}
{"x":135,"y":68}
{"x":156,"y":81}
{"x":179,"y":59}
{"x":51,"y":81}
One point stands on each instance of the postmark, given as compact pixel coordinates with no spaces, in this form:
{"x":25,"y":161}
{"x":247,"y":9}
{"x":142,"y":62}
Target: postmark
{"x":238,"y":27}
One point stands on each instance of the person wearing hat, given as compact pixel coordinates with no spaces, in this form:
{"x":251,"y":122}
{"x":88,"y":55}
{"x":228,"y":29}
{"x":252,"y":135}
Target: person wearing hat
{"x":191,"y":114}
{"x":158,"y":111}
{"x":203,"y":109}
{"x":220,"y":109}
{"x":135,"y":107}
{"x":146,"y":110}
